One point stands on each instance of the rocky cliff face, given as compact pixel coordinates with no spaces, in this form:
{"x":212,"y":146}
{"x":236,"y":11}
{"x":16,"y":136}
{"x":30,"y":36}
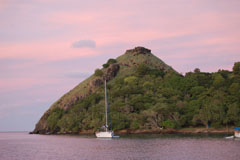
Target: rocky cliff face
{"x":125,"y":65}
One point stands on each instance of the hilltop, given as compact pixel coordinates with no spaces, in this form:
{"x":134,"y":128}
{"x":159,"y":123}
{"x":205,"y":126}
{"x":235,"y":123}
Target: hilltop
{"x":146,"y":94}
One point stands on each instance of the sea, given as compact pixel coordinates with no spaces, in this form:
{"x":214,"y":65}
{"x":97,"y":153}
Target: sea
{"x":24,"y":146}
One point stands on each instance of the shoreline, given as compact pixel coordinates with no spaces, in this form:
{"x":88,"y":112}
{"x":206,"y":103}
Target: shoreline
{"x":152,"y":131}
{"x":178,"y":131}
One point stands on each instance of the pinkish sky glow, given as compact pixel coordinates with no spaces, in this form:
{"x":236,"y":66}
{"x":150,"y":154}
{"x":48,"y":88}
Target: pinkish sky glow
{"x":49,"y":46}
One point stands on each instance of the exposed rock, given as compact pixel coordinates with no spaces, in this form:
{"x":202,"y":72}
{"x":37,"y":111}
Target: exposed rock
{"x":96,"y":82}
{"x":111,"y":71}
{"x":138,"y":50}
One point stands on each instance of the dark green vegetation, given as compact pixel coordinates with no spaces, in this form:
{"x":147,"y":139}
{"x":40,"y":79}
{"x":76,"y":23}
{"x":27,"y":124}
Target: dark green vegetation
{"x":145,"y":93}
{"x":110,"y":61}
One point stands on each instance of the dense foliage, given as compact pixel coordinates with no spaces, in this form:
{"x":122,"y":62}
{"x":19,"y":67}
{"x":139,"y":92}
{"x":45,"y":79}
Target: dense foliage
{"x":150,"y":98}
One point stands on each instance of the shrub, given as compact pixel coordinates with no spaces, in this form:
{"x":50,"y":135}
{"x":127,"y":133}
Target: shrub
{"x":168,"y":124}
{"x":105,"y":65}
{"x":142,"y":70}
{"x":131,"y":80}
{"x":98,"y":72}
{"x":110,"y":61}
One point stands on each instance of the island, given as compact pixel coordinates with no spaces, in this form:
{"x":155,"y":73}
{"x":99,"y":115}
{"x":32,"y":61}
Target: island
{"x":148,"y":96}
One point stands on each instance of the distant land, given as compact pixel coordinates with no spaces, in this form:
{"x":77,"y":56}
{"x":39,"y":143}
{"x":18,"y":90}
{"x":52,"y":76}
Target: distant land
{"x":147,"y":96}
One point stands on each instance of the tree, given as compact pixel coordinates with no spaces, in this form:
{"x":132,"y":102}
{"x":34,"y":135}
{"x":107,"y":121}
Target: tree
{"x":151,"y":118}
{"x":236,"y":68}
{"x":195,"y":91}
{"x":131,"y":80}
{"x":234,"y":89}
{"x":218,"y":80}
{"x":233,"y":113}
{"x":142,"y":69}
{"x":205,"y":115}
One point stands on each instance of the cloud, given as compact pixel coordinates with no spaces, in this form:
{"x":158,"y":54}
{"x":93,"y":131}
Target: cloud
{"x":84,"y":44}
{"x":14,"y":61}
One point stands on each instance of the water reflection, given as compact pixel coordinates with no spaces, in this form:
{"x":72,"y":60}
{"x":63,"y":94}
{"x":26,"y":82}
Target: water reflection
{"x":172,"y":147}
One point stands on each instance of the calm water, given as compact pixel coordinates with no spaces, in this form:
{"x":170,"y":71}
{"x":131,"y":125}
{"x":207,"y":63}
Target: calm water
{"x":22,"y":146}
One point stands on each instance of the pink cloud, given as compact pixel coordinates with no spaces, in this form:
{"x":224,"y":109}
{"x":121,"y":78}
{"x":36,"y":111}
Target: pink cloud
{"x":45,"y":49}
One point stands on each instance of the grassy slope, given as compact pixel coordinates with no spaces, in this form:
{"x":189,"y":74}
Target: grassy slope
{"x":81,"y":89}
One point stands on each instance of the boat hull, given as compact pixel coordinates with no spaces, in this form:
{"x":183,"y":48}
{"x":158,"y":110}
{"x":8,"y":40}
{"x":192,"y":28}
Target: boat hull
{"x":106,"y":134}
{"x":229,"y":137}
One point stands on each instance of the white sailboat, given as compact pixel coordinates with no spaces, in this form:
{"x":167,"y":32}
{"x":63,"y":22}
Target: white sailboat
{"x":108,"y":132}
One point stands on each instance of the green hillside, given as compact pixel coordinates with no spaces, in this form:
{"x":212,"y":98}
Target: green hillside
{"x":146,"y":93}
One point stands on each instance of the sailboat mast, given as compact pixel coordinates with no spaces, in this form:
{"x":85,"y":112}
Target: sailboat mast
{"x":106,"y":105}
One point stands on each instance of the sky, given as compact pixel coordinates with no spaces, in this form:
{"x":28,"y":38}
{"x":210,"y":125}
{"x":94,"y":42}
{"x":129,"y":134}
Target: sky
{"x":49,"y":46}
